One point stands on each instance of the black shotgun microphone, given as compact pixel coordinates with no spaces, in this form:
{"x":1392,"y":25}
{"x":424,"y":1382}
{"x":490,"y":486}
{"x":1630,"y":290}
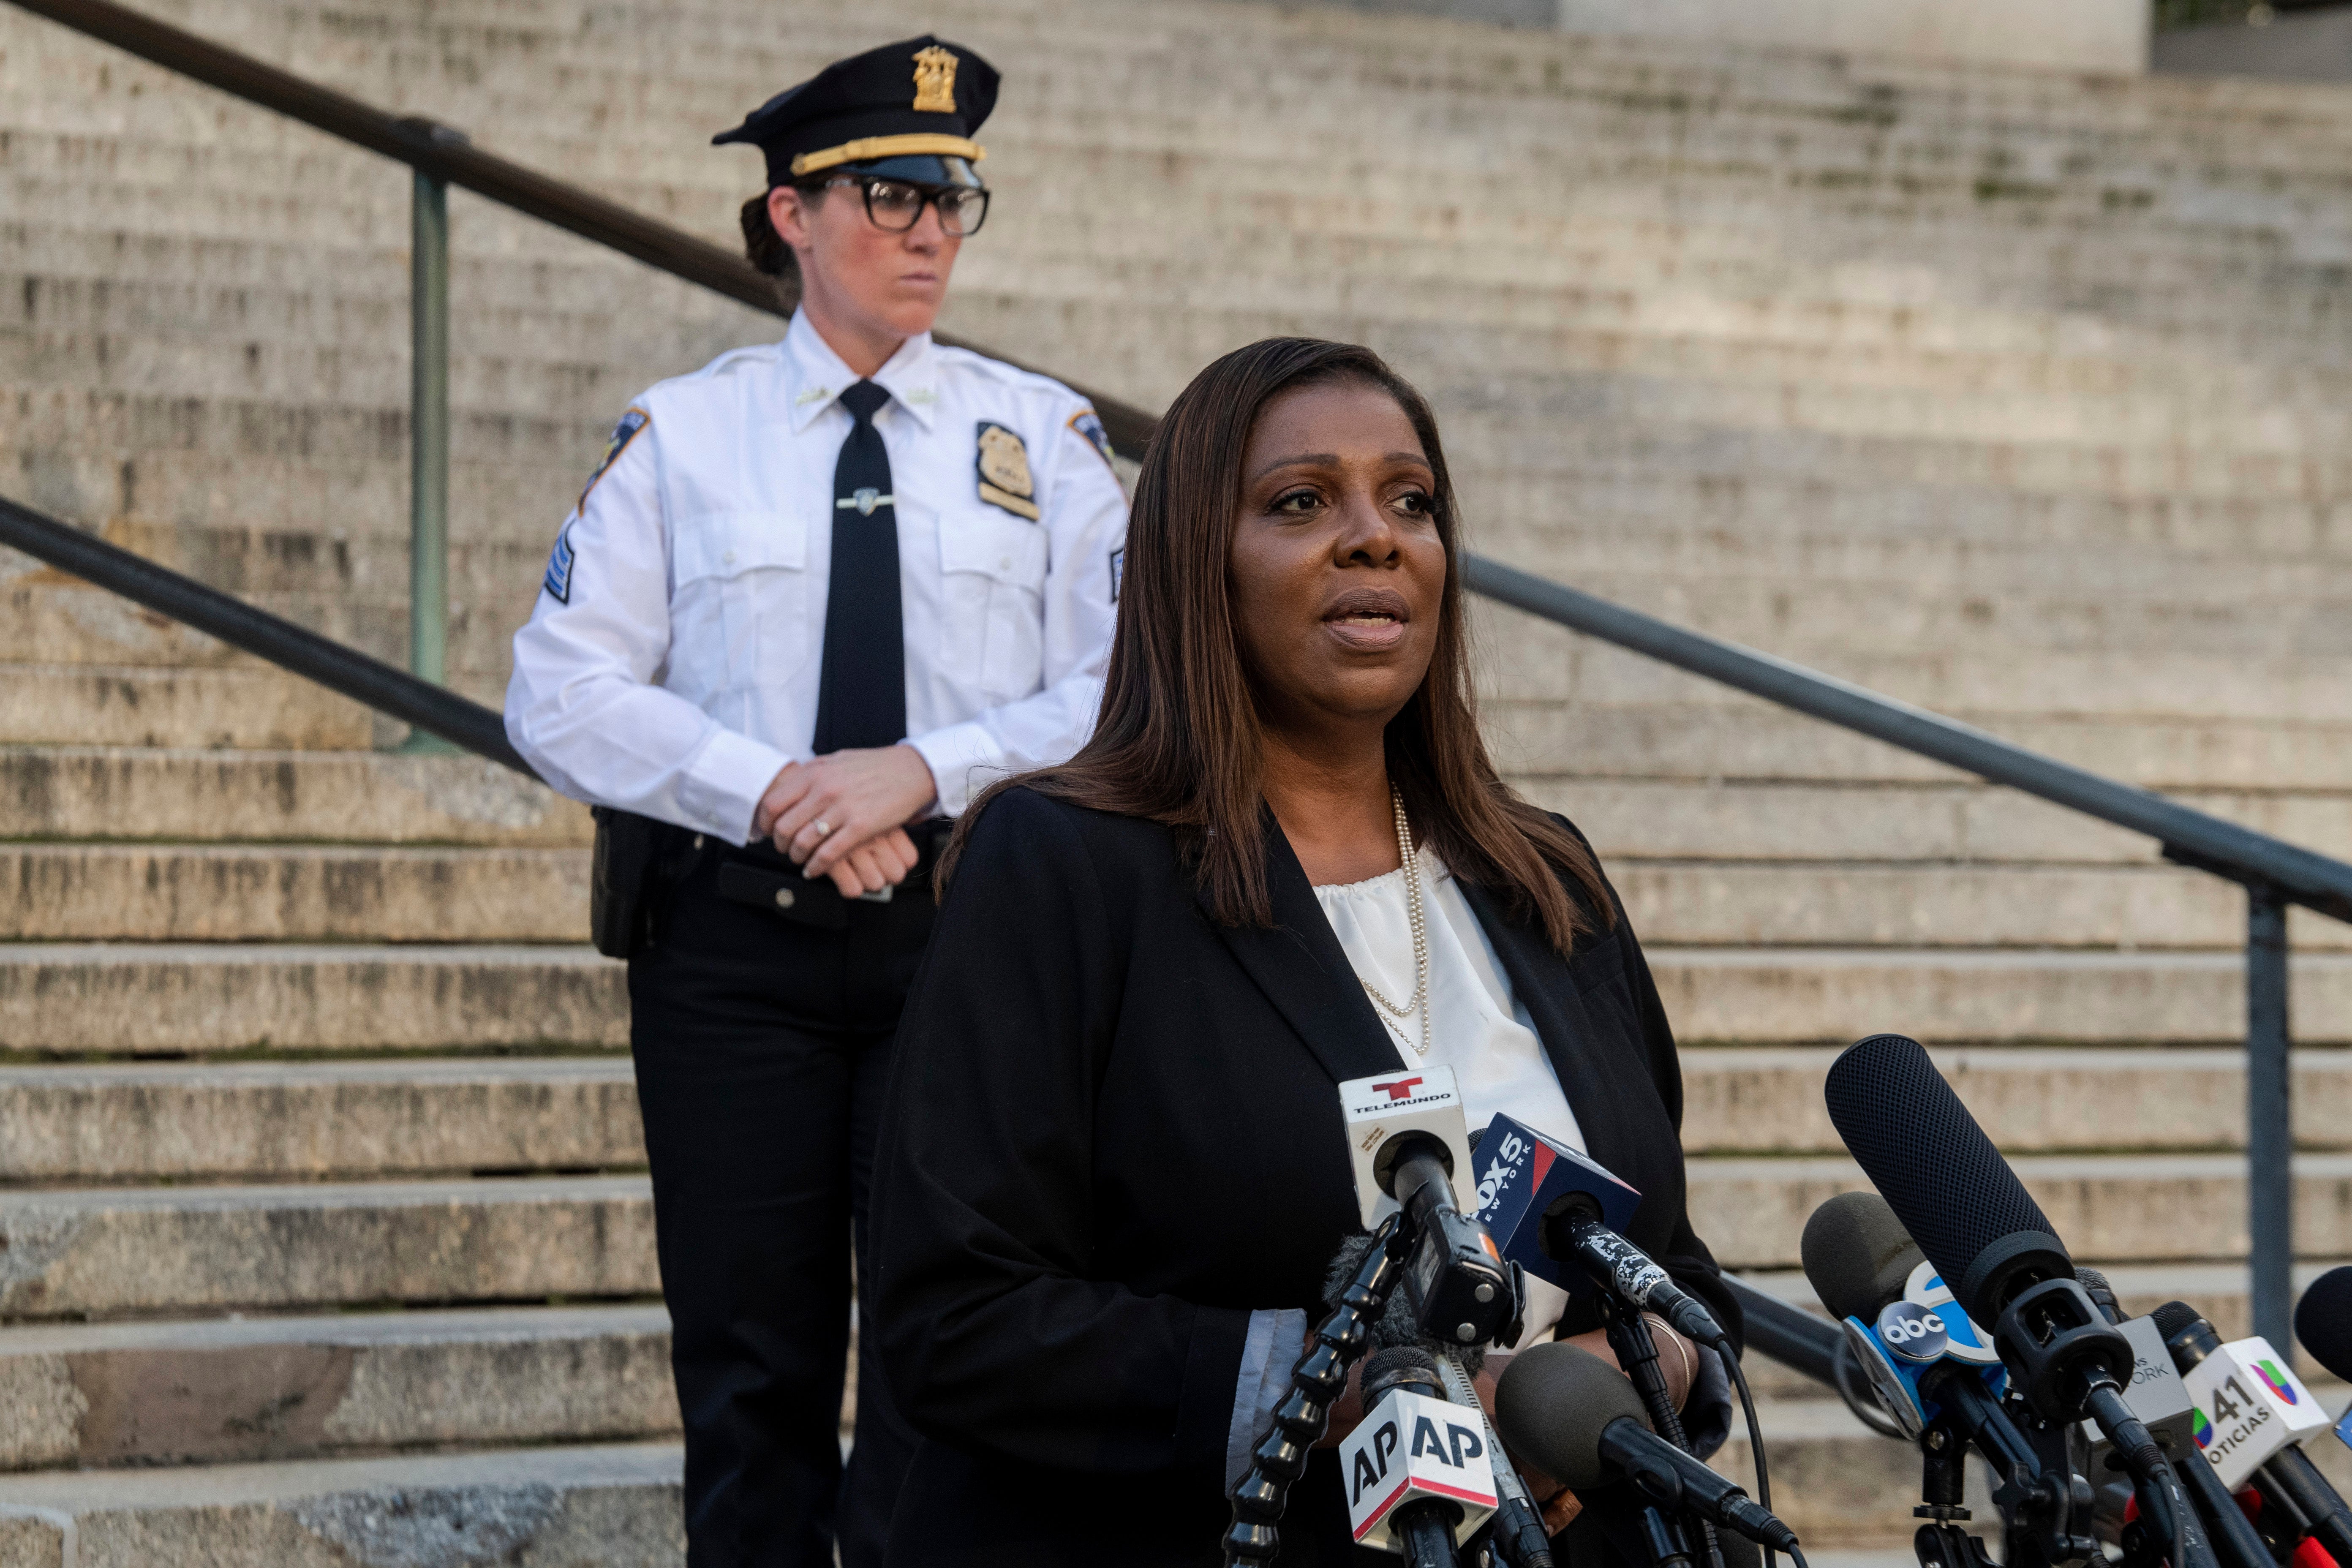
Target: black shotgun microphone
{"x":2323,"y":1321}
{"x":1578,"y":1420}
{"x":2000,"y":1257}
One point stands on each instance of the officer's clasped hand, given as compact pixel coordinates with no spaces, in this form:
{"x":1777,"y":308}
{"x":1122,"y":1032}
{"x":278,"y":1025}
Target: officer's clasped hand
{"x":844,"y":814}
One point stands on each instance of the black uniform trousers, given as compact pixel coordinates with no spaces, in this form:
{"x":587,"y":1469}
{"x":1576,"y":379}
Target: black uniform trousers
{"x":762,"y":1045}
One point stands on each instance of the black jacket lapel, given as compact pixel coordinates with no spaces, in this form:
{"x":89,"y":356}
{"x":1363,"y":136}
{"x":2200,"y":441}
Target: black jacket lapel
{"x":1543,"y":984}
{"x":1299,"y":964}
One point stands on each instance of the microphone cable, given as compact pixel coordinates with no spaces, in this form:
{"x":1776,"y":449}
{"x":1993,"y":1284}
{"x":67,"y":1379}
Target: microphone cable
{"x":1755,"y":1447}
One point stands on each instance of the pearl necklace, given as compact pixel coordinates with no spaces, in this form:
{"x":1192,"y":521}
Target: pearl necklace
{"x":1419,"y":935}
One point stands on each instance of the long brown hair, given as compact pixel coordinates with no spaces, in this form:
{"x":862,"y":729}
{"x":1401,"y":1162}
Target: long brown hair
{"x":1180,"y":740}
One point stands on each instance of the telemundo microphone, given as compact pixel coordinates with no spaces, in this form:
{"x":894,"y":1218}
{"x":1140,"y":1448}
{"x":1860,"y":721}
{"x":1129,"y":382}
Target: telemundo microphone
{"x":1560,"y":1217}
{"x":1991,"y":1243}
{"x":2251,"y":1416}
{"x":2323,"y":1321}
{"x":1580,"y":1420}
{"x":1420,"y":1478}
{"x":1406,"y":1140}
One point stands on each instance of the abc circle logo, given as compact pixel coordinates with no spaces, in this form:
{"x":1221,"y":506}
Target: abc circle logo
{"x":1912,"y":1332}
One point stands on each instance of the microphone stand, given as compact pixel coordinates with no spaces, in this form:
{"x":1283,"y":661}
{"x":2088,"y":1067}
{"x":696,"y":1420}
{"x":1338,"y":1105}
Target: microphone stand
{"x":1318,"y":1379}
{"x":1637,"y":1356}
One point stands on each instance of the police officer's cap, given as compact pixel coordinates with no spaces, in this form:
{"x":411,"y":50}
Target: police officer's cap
{"x":905,"y":111}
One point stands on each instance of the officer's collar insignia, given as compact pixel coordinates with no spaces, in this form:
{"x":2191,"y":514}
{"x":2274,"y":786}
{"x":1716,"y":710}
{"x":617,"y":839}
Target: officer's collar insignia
{"x":935,"y":70}
{"x":1005,"y":478}
{"x":1088,"y":423}
{"x":924,"y":395}
{"x":814,"y":395}
{"x":634,"y":420}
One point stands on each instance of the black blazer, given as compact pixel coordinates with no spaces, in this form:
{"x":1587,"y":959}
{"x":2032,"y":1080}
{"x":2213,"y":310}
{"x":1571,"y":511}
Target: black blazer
{"x":1113,"y":1131}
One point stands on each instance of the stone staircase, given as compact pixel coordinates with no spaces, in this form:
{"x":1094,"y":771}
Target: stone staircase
{"x":2015,"y":394}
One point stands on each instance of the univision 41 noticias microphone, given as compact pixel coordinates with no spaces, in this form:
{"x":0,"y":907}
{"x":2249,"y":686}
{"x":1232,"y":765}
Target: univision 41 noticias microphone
{"x":1419,"y":1476}
{"x":1578,"y":1419}
{"x":2251,"y":1416}
{"x":1561,"y":1217}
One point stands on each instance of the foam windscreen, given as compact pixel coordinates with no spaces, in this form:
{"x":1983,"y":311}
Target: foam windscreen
{"x":1401,"y":1366}
{"x":1552,"y":1404}
{"x":1857,"y":1255}
{"x":2323,"y":1321}
{"x":1939,"y":1173}
{"x":2173,"y":1317}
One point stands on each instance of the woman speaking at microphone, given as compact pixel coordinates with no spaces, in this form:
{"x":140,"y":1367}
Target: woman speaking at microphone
{"x":1114,"y":1174}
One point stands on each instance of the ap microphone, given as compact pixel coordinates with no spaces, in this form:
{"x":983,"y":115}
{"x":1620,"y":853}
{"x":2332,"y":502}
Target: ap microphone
{"x":1576,"y":1419}
{"x":1559,"y":1215}
{"x":1419,"y":1475}
{"x":2251,"y":1413}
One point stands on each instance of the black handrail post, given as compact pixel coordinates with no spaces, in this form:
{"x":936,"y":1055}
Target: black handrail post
{"x":428,"y":427}
{"x":2270,"y":1121}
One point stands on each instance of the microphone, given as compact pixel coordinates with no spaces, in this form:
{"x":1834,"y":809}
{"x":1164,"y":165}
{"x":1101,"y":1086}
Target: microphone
{"x":1578,"y":1419}
{"x":1559,"y":1215}
{"x":2323,"y":1321}
{"x":1991,"y":1243}
{"x":1419,"y":1476}
{"x":2251,"y":1413}
{"x":1975,"y":1221}
{"x":1406,"y":1138}
{"x":1903,"y":1326}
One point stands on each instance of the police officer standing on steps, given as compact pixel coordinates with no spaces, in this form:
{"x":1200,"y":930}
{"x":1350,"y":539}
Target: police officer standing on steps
{"x":817,"y":593}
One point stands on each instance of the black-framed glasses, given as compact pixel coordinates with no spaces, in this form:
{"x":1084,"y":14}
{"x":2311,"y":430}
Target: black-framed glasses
{"x":897,"y":206}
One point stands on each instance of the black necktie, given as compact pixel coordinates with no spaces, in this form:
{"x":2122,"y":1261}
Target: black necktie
{"x":862,"y":685}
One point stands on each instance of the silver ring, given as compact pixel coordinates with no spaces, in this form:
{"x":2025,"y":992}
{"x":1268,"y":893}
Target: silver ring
{"x":824,"y":828}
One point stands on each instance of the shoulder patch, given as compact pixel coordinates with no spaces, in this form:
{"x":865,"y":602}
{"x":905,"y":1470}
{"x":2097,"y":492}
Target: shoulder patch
{"x":634,"y":420}
{"x":1004,"y":476}
{"x":558,"y":581}
{"x":1088,"y":424}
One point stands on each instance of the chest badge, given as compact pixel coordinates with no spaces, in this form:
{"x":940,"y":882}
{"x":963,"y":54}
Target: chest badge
{"x":1004,"y":477}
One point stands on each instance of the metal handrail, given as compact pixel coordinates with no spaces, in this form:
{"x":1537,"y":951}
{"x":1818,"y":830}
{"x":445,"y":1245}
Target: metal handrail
{"x":458,"y":720}
{"x":2275,"y":872}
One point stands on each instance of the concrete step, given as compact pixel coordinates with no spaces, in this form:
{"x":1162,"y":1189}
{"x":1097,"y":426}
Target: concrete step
{"x":2030,"y":1099}
{"x":1927,"y":904}
{"x":253,"y":893}
{"x":278,"y":797}
{"x":168,"y":998}
{"x":228,"y":1391}
{"x":1539,"y":741}
{"x":125,"y":1252}
{"x":611,"y":1506}
{"x":1836,"y":995}
{"x":2125,"y":1208}
{"x":160,"y":999}
{"x":316,"y":1119}
{"x":86,"y":705}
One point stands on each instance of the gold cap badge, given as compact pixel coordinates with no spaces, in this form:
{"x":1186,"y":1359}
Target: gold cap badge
{"x":935,"y":70}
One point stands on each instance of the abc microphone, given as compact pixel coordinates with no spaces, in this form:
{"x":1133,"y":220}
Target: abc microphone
{"x":1579,"y":1419}
{"x":2252,"y":1412}
{"x":1419,"y":1475}
{"x":1407,"y":1138}
{"x":1558,"y":1216}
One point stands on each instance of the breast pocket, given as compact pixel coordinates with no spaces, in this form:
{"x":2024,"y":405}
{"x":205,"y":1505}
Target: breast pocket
{"x":994,"y":574}
{"x":740,"y":613}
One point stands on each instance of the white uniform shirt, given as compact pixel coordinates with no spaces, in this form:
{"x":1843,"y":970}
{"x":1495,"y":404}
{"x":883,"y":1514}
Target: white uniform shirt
{"x":670,"y":667}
